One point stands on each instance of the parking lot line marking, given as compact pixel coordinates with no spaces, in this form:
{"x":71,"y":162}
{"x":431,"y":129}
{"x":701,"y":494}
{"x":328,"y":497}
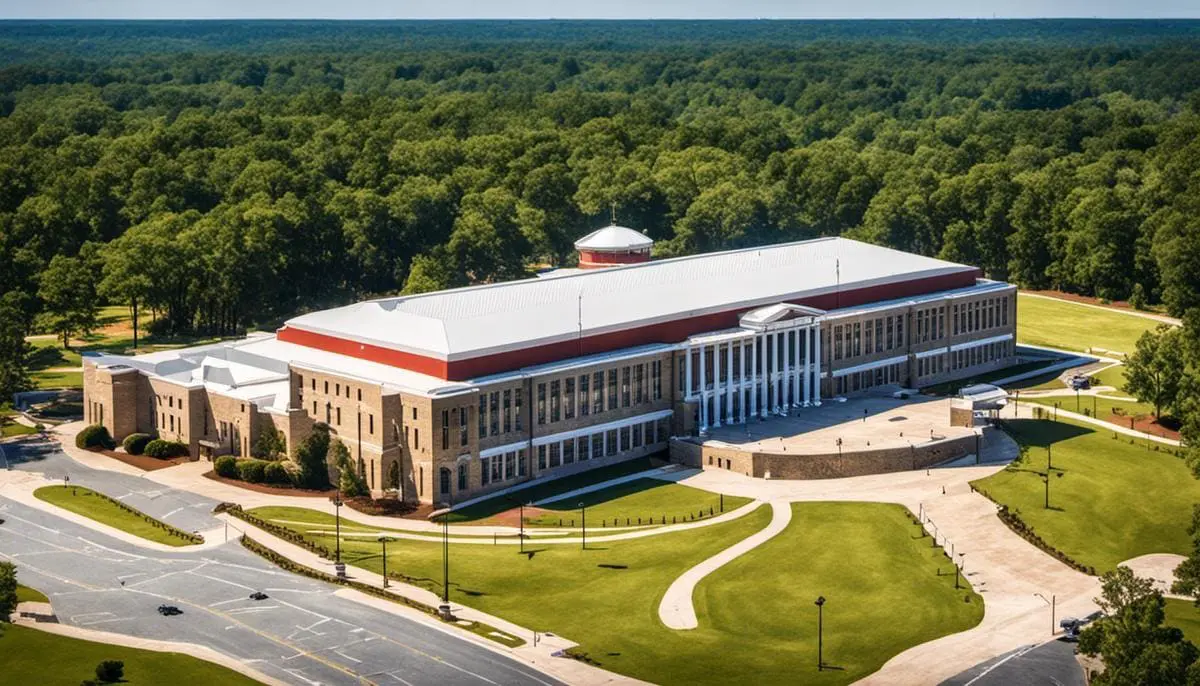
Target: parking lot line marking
{"x":250,"y":610}
{"x":403,"y":681}
{"x":985,"y":672}
{"x":226,"y":602}
{"x":352,"y":659}
{"x":111,"y":550}
{"x":171,"y":513}
{"x":296,"y":674}
{"x":224,"y":581}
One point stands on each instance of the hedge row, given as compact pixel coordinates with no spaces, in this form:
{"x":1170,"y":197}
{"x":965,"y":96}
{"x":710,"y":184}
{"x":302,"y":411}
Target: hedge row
{"x":253,"y":470}
{"x":135,"y":444}
{"x":275,"y":530}
{"x":94,"y":436}
{"x":158,"y":524}
{"x":165,"y":450}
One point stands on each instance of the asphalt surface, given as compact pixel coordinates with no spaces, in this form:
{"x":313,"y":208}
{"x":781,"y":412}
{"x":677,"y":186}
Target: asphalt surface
{"x":301,"y":634}
{"x":1050,"y":664}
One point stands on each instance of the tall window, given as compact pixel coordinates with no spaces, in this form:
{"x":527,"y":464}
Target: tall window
{"x":597,"y":392}
{"x":656,"y":373}
{"x":878,"y":335}
{"x":900,"y":331}
{"x":837,"y":342}
{"x":555,"y":413}
{"x":462,"y":425}
{"x":485,"y":475}
{"x":585,"y":401}
{"x":624,"y":386}
{"x":482,"y":415}
{"x":612,"y":389}
{"x":462,"y":476}
{"x":569,"y":398}
{"x":541,"y":404}
{"x":518,"y":421}
{"x":494,"y":410}
{"x":507,"y":411}
{"x":445,"y":429}
{"x":639,"y":380}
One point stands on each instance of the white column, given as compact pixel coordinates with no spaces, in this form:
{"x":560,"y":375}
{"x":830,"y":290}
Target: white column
{"x":786,"y":381}
{"x":799,"y":371}
{"x":703,"y":393}
{"x":817,"y":362}
{"x":716,"y":415}
{"x":729,"y":383}
{"x":753,"y":375}
{"x":808,"y":365}
{"x":765,"y":380}
{"x":741,"y":386}
{"x":775,"y":370}
{"x":603,"y":443}
{"x":687,"y":384}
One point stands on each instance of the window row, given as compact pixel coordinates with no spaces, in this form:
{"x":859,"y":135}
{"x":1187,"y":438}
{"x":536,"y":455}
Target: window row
{"x":333,"y":417}
{"x":602,"y":444}
{"x":980,"y":314}
{"x":880,"y":376}
{"x":499,"y":412}
{"x":499,"y":468}
{"x":337,"y":388}
{"x":980,"y":354}
{"x":587,"y":394}
{"x":871,"y":336}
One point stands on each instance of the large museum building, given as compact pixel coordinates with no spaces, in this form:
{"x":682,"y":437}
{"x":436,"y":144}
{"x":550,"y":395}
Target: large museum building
{"x":444,"y":396}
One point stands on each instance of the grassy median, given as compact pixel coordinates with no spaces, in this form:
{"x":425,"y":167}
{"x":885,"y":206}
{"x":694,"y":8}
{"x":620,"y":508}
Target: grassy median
{"x":1141,"y":499}
{"x":93,"y":505}
{"x":31,"y":656}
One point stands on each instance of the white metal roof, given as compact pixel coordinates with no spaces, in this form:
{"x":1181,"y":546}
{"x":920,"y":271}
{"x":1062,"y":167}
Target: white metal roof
{"x":614,"y":239}
{"x":479,"y":320}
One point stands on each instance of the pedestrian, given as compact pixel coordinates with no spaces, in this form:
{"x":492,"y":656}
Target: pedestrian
{"x":943,"y":490}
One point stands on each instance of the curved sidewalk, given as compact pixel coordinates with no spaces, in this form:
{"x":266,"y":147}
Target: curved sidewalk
{"x":676,"y":609}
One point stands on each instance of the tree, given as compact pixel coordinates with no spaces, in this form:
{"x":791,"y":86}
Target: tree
{"x":14,"y":350}
{"x":1136,"y":647}
{"x":1153,"y":370}
{"x":310,"y":456}
{"x":270,"y":444}
{"x":68,"y":292}
{"x":8,"y":590}
{"x":350,"y":483}
{"x":110,"y":671}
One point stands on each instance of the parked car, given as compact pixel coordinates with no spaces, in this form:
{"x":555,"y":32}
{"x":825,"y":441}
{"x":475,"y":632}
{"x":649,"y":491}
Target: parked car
{"x":258,"y":595}
{"x":169,"y":610}
{"x":1079,"y":382}
{"x":1070,"y":627}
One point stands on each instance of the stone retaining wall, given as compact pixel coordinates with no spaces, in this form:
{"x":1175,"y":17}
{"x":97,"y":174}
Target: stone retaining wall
{"x":779,"y":465}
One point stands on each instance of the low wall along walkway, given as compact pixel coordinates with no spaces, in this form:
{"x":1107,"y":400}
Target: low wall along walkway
{"x":783,"y":465}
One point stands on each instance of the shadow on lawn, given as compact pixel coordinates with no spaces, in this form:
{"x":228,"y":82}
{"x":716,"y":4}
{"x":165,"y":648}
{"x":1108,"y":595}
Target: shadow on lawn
{"x":1044,"y":432}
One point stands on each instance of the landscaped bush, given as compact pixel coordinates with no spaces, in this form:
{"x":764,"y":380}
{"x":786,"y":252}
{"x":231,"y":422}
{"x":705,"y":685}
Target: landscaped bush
{"x":165,"y":450}
{"x":252,"y":470}
{"x":135,"y":444}
{"x":110,"y":671}
{"x":276,"y":473}
{"x":94,"y":436}
{"x":226,"y":466}
{"x":381,"y":506}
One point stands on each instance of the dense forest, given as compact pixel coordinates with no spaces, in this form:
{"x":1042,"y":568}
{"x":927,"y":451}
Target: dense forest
{"x":228,"y":174}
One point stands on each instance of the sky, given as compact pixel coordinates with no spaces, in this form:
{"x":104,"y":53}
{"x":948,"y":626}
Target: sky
{"x":599,"y":9}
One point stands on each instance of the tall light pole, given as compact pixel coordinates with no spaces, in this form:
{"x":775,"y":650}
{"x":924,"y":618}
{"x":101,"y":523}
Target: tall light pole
{"x":385,"y":540}
{"x":1053,"y":602}
{"x":337,"y":523}
{"x":583,"y":519}
{"x":444,"y":514}
{"x":820,"y":633}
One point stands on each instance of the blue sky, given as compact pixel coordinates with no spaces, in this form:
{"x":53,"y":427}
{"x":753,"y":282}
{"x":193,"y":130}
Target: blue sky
{"x":606,"y":9}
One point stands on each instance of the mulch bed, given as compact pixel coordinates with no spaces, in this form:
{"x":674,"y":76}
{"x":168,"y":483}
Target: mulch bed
{"x":1146,"y":423}
{"x":513,"y":517}
{"x":272,"y":489}
{"x":387,"y":507}
{"x":142,"y":462}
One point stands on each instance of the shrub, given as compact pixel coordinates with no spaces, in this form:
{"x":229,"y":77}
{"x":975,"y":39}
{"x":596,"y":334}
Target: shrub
{"x":310,"y":455}
{"x":164,"y":450}
{"x":94,"y":436}
{"x":276,"y":473}
{"x":135,"y":443}
{"x":252,"y":470}
{"x":110,"y":671}
{"x":226,"y":466}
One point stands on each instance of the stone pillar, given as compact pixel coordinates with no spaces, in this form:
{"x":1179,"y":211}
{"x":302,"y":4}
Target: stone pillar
{"x":817,"y":371}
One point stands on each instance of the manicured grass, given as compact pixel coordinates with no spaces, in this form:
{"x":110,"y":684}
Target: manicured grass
{"x":480,"y":511}
{"x":14,"y":429}
{"x":1070,"y":326}
{"x":645,"y":499}
{"x":26,"y":594}
{"x":47,"y":379}
{"x":1103,"y":405}
{"x":1044,"y":382}
{"x":756,"y":616}
{"x":1113,"y":376}
{"x":88,"y":503}
{"x":1185,"y":616}
{"x":1114,"y":501}
{"x":30,"y":656}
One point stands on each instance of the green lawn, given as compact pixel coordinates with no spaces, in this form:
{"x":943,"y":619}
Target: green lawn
{"x":481,"y":511}
{"x":307,"y":520}
{"x":1113,"y":376}
{"x":756,"y":615}
{"x":30,"y":656}
{"x":26,"y":594}
{"x":14,"y":429}
{"x":1102,"y":405}
{"x":1139,"y":500}
{"x":640,"y":499}
{"x":1185,"y":616}
{"x":1043,"y":382}
{"x":86,"y":502}
{"x":1070,"y":326}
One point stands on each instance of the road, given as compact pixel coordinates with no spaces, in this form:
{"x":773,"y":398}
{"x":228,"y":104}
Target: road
{"x":301,"y":634}
{"x":1050,"y":663}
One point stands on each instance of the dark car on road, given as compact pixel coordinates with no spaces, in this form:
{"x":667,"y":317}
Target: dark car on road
{"x":169,"y":610}
{"x":258,"y":595}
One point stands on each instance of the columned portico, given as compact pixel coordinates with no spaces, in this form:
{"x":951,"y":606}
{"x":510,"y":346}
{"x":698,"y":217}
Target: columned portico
{"x":771,"y":364}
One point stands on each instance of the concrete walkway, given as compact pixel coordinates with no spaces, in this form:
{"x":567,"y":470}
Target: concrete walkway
{"x":1115,"y":427}
{"x":1159,"y":567}
{"x":676,"y":609}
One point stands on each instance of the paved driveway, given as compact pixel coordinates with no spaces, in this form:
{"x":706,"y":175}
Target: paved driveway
{"x":1050,"y":663}
{"x":302,"y":634}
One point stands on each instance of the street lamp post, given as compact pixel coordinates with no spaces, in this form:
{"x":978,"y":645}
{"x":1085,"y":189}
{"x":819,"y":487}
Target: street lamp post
{"x":444,"y":514}
{"x":820,"y":603}
{"x":385,"y":540}
{"x":1047,"y":489}
{"x":1053,"y":603}
{"x":337,"y":522}
{"x":583,"y":520}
